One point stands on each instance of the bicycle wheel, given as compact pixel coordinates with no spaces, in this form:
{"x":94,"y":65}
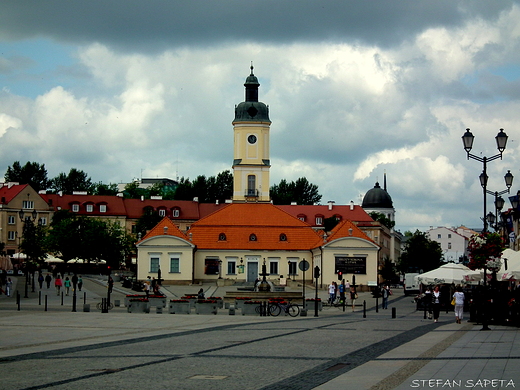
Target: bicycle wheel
{"x":293,"y":310}
{"x":274,"y":310}
{"x":258,"y":309}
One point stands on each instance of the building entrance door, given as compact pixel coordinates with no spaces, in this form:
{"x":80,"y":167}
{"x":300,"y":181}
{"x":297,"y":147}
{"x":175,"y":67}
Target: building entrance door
{"x":252,"y":271}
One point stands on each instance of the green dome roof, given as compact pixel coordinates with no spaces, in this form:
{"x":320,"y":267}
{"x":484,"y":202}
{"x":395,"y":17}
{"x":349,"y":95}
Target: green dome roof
{"x":252,"y":109}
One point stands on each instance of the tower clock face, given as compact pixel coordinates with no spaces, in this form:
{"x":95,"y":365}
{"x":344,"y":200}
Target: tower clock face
{"x":251,"y":139}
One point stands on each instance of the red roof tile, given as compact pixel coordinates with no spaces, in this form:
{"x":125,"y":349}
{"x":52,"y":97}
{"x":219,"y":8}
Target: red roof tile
{"x":9,"y":192}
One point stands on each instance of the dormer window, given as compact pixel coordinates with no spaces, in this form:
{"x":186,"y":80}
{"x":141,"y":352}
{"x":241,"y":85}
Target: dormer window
{"x":176,"y":212}
{"x":75,"y":208}
{"x":319,"y":220}
{"x":89,"y":208}
{"x":283,"y":237}
{"x":102,"y":208}
{"x":302,"y":217}
{"x":162,"y":213}
{"x":222,"y":237}
{"x":252,"y":237}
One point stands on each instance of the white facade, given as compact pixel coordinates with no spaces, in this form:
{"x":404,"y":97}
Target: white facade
{"x":453,"y":244}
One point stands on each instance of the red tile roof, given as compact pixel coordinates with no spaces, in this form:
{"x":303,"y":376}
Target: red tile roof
{"x":239,"y":221}
{"x":159,"y":230}
{"x":114,"y":204}
{"x":356,"y":214}
{"x":9,"y":192}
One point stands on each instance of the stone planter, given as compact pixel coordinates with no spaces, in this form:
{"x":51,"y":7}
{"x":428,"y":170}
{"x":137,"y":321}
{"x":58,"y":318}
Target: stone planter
{"x":250,"y":308}
{"x":220,"y":301}
{"x":192,"y":299}
{"x":157,"y":301}
{"x":180,"y":307}
{"x":206,"y":307}
{"x":136,"y":296}
{"x":239,"y":302}
{"x":139,"y":306}
{"x":309,"y":304}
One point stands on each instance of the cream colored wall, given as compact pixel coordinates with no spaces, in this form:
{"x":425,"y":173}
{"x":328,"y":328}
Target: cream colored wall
{"x":283,"y":266}
{"x":349,"y":247}
{"x":162,"y":247}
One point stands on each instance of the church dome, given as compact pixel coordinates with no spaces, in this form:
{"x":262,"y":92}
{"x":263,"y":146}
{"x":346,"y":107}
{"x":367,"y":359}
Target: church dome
{"x":377,"y":198}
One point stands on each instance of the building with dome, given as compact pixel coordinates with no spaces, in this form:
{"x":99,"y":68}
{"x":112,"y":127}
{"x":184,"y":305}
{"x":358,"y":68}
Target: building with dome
{"x":379,"y":200}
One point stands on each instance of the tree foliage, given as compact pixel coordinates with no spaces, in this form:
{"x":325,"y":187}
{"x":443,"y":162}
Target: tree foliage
{"x":31,"y":173}
{"x":75,"y":180}
{"x":89,"y":239}
{"x":380,"y":217}
{"x":206,"y":189}
{"x":420,"y":253}
{"x":301,"y":191}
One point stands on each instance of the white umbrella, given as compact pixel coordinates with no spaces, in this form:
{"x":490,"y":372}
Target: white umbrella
{"x":52,"y":259}
{"x":446,"y":274}
{"x":19,"y":255}
{"x":513,"y":266}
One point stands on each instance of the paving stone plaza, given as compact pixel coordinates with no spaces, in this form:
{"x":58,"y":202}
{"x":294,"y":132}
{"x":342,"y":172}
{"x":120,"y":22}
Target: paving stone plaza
{"x":61,"y":349}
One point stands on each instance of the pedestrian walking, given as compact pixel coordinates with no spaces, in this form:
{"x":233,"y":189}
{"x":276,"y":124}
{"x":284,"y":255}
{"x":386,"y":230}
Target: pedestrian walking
{"x":58,"y":283}
{"x":80,"y":283}
{"x":342,"y":297}
{"x":48,"y":280}
{"x":385,"y":293}
{"x":332,"y":292}
{"x":110,"y":284}
{"x":8,"y":287}
{"x":459,"y":298}
{"x":67,"y":285}
{"x":436,"y":303}
{"x":146,"y":288}
{"x":353,"y":297}
{"x":40,"y":279}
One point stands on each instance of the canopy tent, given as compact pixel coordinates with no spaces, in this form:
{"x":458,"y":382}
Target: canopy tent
{"x":513,"y":266}
{"x":52,"y":259}
{"x":81,"y":261}
{"x":446,"y":274}
{"x":19,"y":255}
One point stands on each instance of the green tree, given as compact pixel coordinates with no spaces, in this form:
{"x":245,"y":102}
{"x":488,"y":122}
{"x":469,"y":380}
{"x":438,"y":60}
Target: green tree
{"x":184,"y":190}
{"x":31,"y":173}
{"x":104,"y":189}
{"x":380,"y":217}
{"x":420,"y":253}
{"x":75,"y":180}
{"x":388,"y":271}
{"x":301,"y":191}
{"x":146,"y":222}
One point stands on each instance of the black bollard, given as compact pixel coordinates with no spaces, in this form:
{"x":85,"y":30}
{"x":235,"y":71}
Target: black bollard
{"x":104,"y":305}
{"x":377,"y":305}
{"x":45,"y":302}
{"x":364,"y":309}
{"x":62,"y":298}
{"x":393,"y":312}
{"x":18,"y":300}
{"x":74,"y":302}
{"x":39,"y":298}
{"x":424,"y":304}
{"x":84,"y":298}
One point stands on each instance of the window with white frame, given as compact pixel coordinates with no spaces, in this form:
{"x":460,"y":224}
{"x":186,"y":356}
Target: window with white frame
{"x":175,"y":213}
{"x":154,"y":263}
{"x":28,"y":204}
{"x":175,"y":263}
{"x":319,"y":221}
{"x":162,"y":213}
{"x":102,"y":208}
{"x":11,"y":220}
{"x":42,"y":221}
{"x":75,"y":208}
{"x":89,"y":208}
{"x":11,"y":235}
{"x":231,"y":267}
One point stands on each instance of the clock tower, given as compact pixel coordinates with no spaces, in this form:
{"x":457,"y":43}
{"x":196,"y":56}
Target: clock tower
{"x":251,"y":147}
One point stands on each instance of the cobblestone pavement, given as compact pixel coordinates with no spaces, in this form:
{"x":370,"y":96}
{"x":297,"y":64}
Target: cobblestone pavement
{"x":342,"y":350}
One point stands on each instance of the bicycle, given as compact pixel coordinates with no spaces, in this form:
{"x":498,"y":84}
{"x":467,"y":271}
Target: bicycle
{"x":275,"y":308}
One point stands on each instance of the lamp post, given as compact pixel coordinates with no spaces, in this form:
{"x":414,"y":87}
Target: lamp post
{"x":27,"y":230}
{"x":501,"y":140}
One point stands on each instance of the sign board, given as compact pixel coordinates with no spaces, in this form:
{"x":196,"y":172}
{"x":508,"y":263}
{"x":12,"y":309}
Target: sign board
{"x":304,"y":265}
{"x":351,"y":265}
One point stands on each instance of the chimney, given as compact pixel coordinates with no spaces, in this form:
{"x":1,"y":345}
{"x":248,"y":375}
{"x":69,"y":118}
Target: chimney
{"x":293,"y":203}
{"x":216,"y":202}
{"x":142,"y":198}
{"x":351,"y":205}
{"x":196,"y":199}
{"x":331,"y":204}
{"x":165,"y":230}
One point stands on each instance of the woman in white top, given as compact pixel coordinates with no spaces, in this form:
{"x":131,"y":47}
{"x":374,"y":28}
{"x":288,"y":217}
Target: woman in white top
{"x":459,"y":304}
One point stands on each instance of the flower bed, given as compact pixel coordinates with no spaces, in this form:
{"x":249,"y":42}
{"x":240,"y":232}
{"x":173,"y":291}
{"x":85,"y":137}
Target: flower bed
{"x":191,"y":299}
{"x":219,"y":300}
{"x":157,"y":300}
{"x":133,"y":296}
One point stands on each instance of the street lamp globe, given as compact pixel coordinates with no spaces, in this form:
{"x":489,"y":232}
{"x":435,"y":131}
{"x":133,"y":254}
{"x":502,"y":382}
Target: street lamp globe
{"x":467,"y":140}
{"x":499,"y":203}
{"x":508,"y":177}
{"x":501,"y":139}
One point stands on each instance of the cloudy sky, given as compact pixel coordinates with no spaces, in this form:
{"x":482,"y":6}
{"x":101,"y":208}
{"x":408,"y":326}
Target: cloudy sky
{"x":125,"y":88}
